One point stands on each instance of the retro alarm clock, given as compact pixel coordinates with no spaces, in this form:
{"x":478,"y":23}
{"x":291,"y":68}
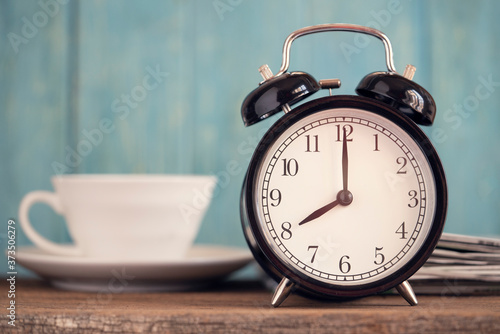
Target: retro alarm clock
{"x":344,"y":196}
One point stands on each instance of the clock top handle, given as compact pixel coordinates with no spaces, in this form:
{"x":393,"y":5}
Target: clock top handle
{"x":394,"y":89}
{"x":336,"y":27}
{"x":280,"y":91}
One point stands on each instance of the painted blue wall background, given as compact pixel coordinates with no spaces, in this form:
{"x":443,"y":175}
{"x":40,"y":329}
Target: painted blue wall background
{"x":67,"y":65}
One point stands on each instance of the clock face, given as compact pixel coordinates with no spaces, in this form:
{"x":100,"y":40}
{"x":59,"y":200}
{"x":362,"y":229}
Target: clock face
{"x":344,"y":196}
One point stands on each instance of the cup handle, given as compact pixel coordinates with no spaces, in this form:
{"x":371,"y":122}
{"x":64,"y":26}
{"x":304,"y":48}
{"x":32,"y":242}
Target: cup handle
{"x":52,"y":200}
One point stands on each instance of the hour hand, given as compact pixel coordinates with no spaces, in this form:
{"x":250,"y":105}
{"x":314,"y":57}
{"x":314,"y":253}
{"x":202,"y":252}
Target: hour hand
{"x":320,"y":212}
{"x":343,"y":198}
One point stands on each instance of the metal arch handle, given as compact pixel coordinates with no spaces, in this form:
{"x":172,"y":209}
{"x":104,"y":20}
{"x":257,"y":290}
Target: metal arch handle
{"x":336,"y":27}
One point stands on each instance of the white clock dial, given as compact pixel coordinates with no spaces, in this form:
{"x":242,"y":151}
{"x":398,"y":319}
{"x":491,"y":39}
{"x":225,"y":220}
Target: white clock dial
{"x":392,"y":187}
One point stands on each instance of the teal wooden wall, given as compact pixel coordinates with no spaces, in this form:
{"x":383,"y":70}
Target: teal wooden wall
{"x":67,"y":66}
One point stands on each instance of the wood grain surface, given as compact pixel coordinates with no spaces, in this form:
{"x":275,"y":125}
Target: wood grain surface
{"x":242,"y":307}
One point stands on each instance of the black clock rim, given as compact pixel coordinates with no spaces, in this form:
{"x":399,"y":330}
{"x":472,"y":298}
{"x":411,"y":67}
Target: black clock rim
{"x":275,"y":267}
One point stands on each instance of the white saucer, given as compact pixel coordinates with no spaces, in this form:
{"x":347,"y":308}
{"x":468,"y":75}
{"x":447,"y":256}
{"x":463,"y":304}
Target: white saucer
{"x":203,"y":266}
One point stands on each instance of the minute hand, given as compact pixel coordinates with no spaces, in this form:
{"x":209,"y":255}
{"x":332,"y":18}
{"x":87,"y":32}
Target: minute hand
{"x":345,"y":162}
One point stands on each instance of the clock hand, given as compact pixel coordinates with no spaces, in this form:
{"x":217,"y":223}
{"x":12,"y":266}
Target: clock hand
{"x":320,"y":212}
{"x":343,"y":198}
{"x":344,"y":162}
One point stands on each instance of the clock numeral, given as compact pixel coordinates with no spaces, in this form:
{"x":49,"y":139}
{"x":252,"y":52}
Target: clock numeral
{"x":290,"y":167}
{"x":312,"y":145}
{"x":413,"y":197}
{"x":286,"y":234}
{"x":348,"y":131}
{"x":314,"y":252}
{"x":401,"y":161}
{"x":402,"y":230}
{"x":376,"y":142}
{"x":344,"y":266}
{"x":275,"y":195}
{"x":379,"y":256}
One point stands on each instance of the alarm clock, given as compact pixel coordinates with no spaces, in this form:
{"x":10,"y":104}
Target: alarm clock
{"x":344,"y":196}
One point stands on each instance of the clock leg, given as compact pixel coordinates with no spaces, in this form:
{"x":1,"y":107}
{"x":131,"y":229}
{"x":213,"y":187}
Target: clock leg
{"x":406,"y":291}
{"x":282,"y":291}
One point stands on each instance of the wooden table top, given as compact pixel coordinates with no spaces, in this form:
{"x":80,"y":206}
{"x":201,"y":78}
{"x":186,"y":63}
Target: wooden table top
{"x":241,"y":307}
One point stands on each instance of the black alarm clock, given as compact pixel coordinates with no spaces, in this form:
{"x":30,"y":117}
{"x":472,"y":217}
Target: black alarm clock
{"x":344,"y":196}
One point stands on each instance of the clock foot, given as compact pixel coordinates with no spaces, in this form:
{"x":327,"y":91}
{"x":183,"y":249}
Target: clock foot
{"x":282,"y":292}
{"x":406,"y":291}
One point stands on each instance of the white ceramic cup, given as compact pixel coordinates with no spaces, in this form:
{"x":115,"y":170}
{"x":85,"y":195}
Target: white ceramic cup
{"x":124,"y":217}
